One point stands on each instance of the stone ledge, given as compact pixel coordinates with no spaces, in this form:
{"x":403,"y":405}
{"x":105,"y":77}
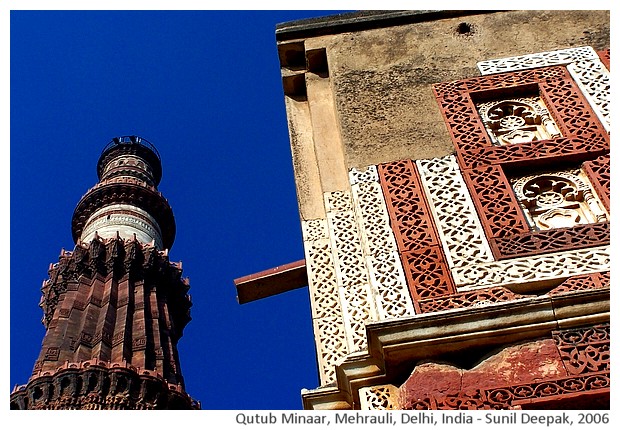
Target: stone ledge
{"x":428,"y":336}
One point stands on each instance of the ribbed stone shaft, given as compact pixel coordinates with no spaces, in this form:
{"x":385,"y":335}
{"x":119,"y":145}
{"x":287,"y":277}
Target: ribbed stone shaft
{"x":115,"y":307}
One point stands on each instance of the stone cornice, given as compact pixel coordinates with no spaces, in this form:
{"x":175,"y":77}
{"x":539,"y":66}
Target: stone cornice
{"x":436,"y":335}
{"x":361,"y":20}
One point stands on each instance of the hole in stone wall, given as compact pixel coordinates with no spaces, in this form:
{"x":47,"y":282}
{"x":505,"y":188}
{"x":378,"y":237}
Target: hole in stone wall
{"x":465,"y":29}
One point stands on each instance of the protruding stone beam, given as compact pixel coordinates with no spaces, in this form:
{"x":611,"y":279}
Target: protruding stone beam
{"x":272,"y":281}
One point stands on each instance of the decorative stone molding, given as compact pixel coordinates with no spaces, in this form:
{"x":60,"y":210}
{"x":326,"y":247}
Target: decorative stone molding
{"x":390,"y":292}
{"x":534,"y":269}
{"x":583,"y":134}
{"x":541,"y":59}
{"x":490,"y":295}
{"x":410,"y":216}
{"x":593,"y":79}
{"x":480,"y":297}
{"x":554,"y":240}
{"x":583,"y":63}
{"x":391,"y":295}
{"x":314,"y":229}
{"x":598,"y":171}
{"x":351,"y":273}
{"x":379,"y":397}
{"x":329,"y":329}
{"x":459,"y":228}
{"x":605,"y":57}
{"x":582,"y":282}
{"x":434,"y":336}
{"x":126,"y":220}
{"x":425,"y":267}
{"x":484,"y":164}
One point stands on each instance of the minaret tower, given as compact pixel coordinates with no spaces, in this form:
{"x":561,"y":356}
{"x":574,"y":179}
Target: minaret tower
{"x":115,"y":307}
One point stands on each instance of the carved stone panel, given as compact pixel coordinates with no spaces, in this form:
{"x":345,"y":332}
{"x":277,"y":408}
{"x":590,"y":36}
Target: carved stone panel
{"x":535,"y":269}
{"x":379,"y":397}
{"x":587,"y":67}
{"x":516,"y":120}
{"x":557,"y":199}
{"x":391,"y":295}
{"x":455,"y":216}
{"x":329,"y":329}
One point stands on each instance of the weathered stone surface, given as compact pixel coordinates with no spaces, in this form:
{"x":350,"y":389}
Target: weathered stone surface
{"x":382,"y":76}
{"x":518,"y":364}
{"x":431,"y":379}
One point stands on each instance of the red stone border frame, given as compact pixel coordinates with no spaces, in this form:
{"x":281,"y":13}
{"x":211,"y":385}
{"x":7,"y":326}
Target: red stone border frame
{"x":491,"y":295}
{"x":425,"y":266}
{"x":484,"y":165}
{"x":605,"y":57}
{"x":598,"y":171}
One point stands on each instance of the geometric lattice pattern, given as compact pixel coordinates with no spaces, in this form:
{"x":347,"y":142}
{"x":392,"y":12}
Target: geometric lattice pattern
{"x":454,"y":213}
{"x":354,"y":272}
{"x":605,"y":56}
{"x":391,"y":295}
{"x":351,"y":274}
{"x":582,"y":282}
{"x":489,"y":295}
{"x":593,"y":79}
{"x":379,"y":397}
{"x":329,"y":330}
{"x":534,"y":269}
{"x":531,"y":61}
{"x":583,"y":134}
{"x":484,"y":164}
{"x":598,"y":171}
{"x":554,"y":240}
{"x":584,"y":350}
{"x":499,"y":209}
{"x":478,"y":297}
{"x":426,"y":269}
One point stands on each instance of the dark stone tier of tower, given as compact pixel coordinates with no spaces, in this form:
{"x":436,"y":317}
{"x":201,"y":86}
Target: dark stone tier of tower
{"x":115,"y":307}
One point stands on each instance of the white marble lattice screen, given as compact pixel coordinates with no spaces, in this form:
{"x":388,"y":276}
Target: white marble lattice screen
{"x":354,"y":271}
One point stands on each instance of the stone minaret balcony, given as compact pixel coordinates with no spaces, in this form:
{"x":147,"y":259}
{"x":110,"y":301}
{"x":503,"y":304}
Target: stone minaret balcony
{"x":115,"y":307}
{"x":126,"y":200}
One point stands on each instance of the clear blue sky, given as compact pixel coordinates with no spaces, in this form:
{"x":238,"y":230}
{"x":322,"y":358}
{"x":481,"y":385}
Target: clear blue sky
{"x":204,"y":87}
